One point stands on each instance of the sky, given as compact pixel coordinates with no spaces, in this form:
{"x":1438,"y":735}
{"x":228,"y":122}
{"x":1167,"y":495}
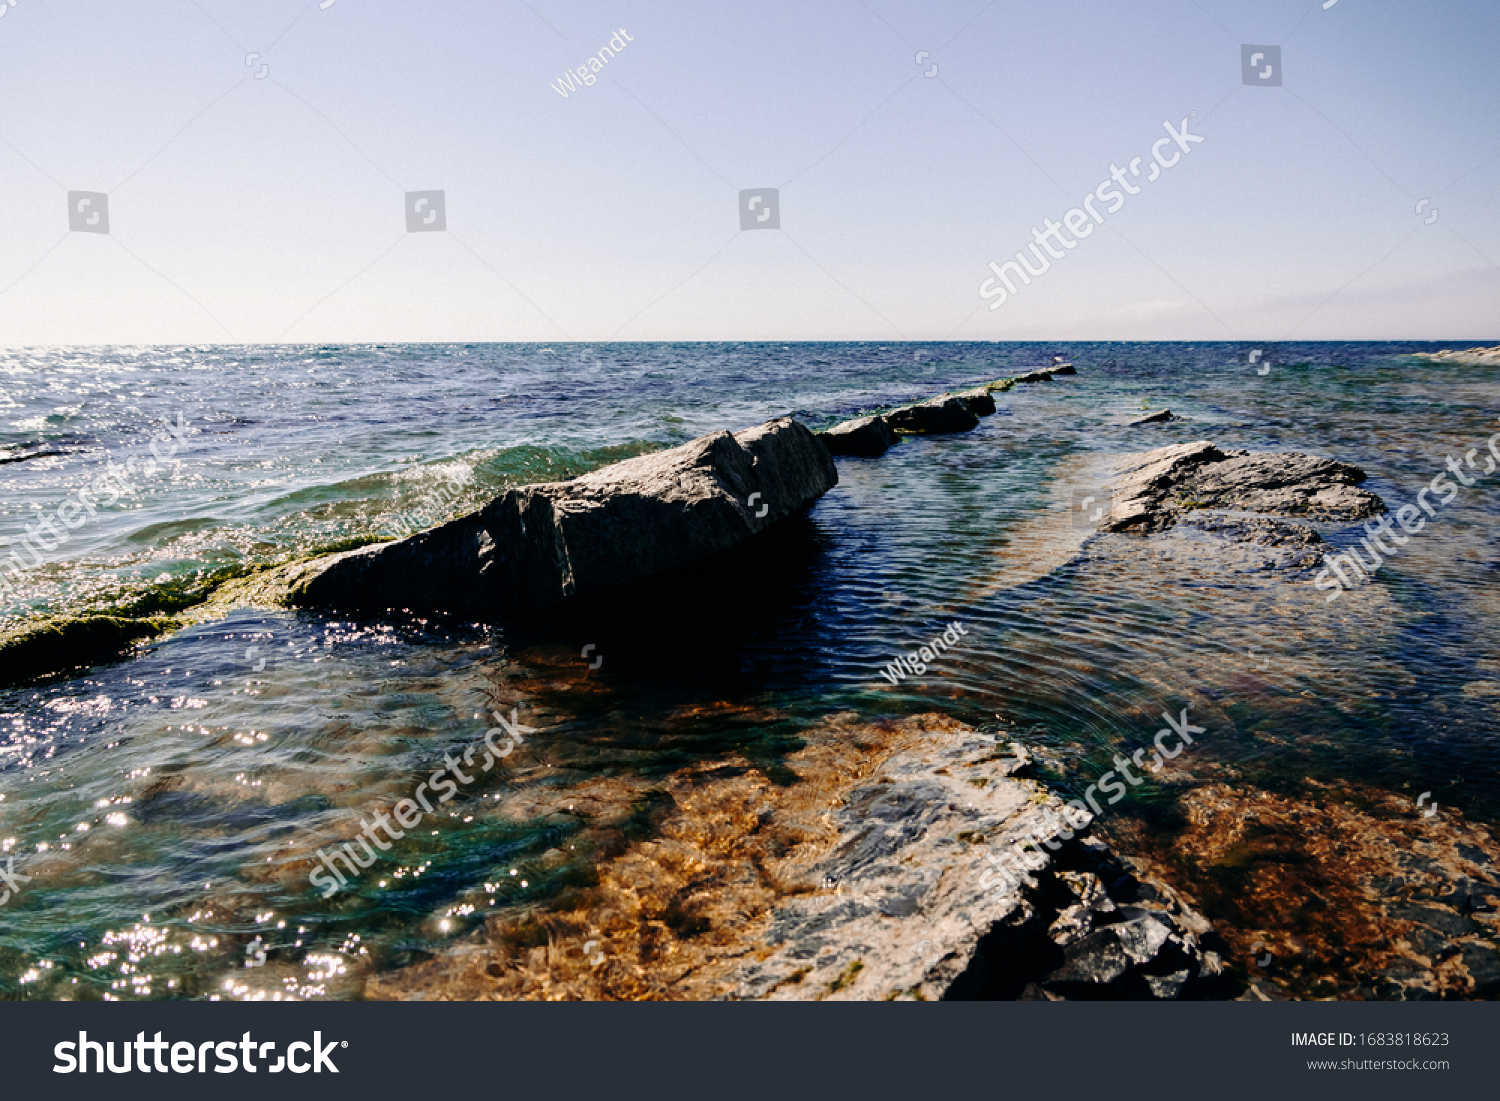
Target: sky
{"x":257,"y":160}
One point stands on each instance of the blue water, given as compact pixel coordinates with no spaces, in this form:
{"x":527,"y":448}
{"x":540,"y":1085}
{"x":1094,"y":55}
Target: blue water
{"x":167,"y":808}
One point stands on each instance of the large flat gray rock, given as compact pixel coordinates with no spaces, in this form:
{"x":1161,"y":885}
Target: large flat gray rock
{"x":1152,"y":489}
{"x":910,"y":905}
{"x":538,"y":545}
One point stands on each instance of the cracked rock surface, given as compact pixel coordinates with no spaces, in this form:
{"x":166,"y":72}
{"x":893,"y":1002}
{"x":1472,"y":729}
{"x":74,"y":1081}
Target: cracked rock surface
{"x":538,"y":545}
{"x":1154,"y":489}
{"x":909,"y":911}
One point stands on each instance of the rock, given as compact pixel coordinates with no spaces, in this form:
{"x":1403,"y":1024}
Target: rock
{"x":911,"y":907}
{"x":35,"y":650}
{"x":1064,"y":369}
{"x":979,"y":401}
{"x":15,"y":455}
{"x":1404,"y":901}
{"x":1466,"y":355}
{"x":861,"y":436}
{"x":540,"y":544}
{"x":936,"y":417}
{"x":1156,"y":418}
{"x":869,"y":877}
{"x":1247,"y":544}
{"x":1034,"y":376}
{"x":1143,"y":482}
{"x":1153,"y":489}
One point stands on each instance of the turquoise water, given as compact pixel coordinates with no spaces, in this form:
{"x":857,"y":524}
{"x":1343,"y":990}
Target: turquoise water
{"x":166,"y":808}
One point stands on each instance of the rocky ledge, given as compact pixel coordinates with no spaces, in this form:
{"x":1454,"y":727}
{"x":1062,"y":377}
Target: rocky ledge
{"x":1153,"y":490}
{"x":936,"y":417}
{"x":867,"y":436}
{"x":538,"y":545}
{"x":944,"y":415}
{"x":912,"y":907}
{"x":1466,"y":355}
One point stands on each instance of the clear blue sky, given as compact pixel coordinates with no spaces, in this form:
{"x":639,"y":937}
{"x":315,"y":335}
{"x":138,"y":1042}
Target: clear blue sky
{"x":255,"y":209}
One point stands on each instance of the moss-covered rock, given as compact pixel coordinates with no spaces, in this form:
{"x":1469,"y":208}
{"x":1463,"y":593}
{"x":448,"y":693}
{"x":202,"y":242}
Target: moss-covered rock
{"x":51,"y":646}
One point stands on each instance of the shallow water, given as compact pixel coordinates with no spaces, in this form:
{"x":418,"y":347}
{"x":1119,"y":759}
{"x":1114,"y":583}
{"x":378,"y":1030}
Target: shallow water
{"x":167,"y":808}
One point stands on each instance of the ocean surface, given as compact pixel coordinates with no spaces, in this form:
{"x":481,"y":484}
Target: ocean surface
{"x":159,"y":814}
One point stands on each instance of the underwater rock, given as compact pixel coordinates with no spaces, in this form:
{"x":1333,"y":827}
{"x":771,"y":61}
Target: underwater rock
{"x":540,"y":544}
{"x":911,"y":906}
{"x":1406,"y":901}
{"x":869,"y":877}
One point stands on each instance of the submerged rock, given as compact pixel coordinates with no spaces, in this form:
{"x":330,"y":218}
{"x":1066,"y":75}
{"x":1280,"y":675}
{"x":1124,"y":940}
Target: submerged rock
{"x":1252,"y":543}
{"x":1156,"y":418}
{"x":37,"y":650}
{"x":862,"y":878}
{"x":540,"y":544}
{"x":911,"y":907}
{"x":1406,"y":904}
{"x":867,"y":436}
{"x":21,"y":455}
{"x":1154,"y":488}
{"x":935,"y":417}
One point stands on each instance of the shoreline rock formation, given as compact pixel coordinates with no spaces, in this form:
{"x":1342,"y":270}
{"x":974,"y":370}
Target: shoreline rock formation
{"x":863,"y":880}
{"x":1489,"y":356}
{"x":36,"y":650}
{"x":1153,"y":489}
{"x":866,"y":436}
{"x":538,"y":545}
{"x":872,"y":435}
{"x":908,"y":911}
